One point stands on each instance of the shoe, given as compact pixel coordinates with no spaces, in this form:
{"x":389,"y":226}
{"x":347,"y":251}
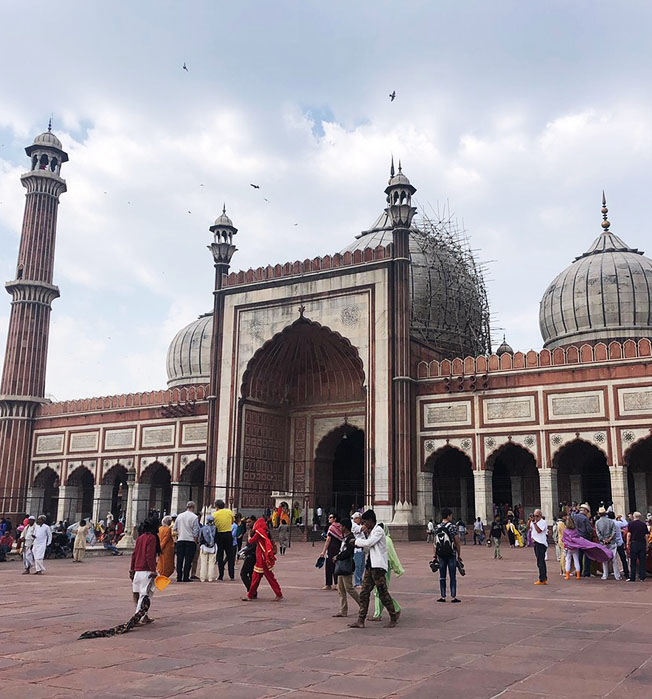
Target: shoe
{"x":604,"y":577}
{"x":456,"y":601}
{"x":357,"y":625}
{"x":326,"y":587}
{"x":567,"y":576}
{"x":391,"y":624}
{"x":338,"y":615}
{"x":578,"y":576}
{"x":539,"y":582}
{"x":441,"y":599}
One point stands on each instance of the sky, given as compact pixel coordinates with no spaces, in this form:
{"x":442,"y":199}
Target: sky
{"x":516,"y":115}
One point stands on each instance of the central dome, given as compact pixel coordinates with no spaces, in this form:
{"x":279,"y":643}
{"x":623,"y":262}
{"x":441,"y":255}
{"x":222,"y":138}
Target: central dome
{"x":189,"y":354}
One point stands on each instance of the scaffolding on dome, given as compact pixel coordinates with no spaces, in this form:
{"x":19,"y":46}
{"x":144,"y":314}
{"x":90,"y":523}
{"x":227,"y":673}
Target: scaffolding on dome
{"x":451,"y":309}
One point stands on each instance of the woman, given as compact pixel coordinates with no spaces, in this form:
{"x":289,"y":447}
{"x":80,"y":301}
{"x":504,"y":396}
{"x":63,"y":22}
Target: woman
{"x":265,"y":560}
{"x":79,"y":548}
{"x":561,"y":527}
{"x":241,"y":526}
{"x":393,"y":564}
{"x":344,"y":562}
{"x":207,"y":550}
{"x":283,"y":537}
{"x":574,"y":543}
{"x":513,"y":534}
{"x":166,"y":559}
{"x":331,"y":549}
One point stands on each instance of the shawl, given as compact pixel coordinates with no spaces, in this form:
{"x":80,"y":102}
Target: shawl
{"x":335,"y":530}
{"x":596,"y":552}
{"x":264,"y":544}
{"x":393,"y":561}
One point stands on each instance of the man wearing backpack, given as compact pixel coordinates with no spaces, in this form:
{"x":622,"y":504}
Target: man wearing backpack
{"x":497,"y":531}
{"x":447,"y":551}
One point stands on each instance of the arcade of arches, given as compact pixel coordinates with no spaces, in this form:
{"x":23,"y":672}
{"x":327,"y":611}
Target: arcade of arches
{"x":580,"y":473}
{"x":304,"y":375}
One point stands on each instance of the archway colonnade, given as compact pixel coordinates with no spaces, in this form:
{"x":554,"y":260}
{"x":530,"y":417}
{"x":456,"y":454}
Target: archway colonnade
{"x":511,"y":476}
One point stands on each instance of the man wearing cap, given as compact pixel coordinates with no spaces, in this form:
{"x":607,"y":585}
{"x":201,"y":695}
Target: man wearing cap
{"x":358,"y":555}
{"x":585,"y":530}
{"x":27,"y":538}
{"x":606,"y":530}
{"x":42,"y":539}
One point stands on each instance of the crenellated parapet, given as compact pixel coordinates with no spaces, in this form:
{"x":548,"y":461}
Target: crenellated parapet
{"x":172,"y":399}
{"x":586,"y":354}
{"x":318,"y":264}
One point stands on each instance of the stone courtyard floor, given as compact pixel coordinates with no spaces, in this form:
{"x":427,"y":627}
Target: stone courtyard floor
{"x":508,"y":638}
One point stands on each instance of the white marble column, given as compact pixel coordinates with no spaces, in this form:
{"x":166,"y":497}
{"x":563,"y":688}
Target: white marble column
{"x":140,"y":502}
{"x":576,"y":488}
{"x":549,"y":492}
{"x":619,"y":489}
{"x":34,"y":505}
{"x":67,"y":502}
{"x":517,"y":490}
{"x":483,"y":495}
{"x":180,"y":496}
{"x":640,"y":488}
{"x":102,"y":495}
{"x":425,"y":508}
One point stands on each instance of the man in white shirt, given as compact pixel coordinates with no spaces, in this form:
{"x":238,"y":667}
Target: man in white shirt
{"x":358,"y":555}
{"x":42,"y":539}
{"x":375,"y":546}
{"x":620,"y":542}
{"x":27,"y":537}
{"x":539,"y":532}
{"x":186,"y":526}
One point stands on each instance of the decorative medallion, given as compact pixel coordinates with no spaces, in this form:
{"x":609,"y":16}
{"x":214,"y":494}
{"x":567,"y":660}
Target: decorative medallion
{"x":557,"y":439}
{"x":490,"y":442}
{"x":429,"y":445}
{"x":256,"y":328}
{"x":465,"y":444}
{"x":350,"y":316}
{"x":600,"y":437}
{"x":529,"y":441}
{"x":628,"y":436}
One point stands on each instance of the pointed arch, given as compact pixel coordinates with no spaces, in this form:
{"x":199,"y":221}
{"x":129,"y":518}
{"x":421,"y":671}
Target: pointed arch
{"x":515,"y":476}
{"x":582,"y":473}
{"x":452,"y":482}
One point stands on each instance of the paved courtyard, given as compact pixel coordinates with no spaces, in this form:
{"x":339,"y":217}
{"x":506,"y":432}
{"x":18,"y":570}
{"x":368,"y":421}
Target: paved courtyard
{"x":508,"y":638}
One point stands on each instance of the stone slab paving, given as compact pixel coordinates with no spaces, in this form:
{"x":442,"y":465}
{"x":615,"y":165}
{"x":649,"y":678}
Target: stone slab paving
{"x":507,"y":639}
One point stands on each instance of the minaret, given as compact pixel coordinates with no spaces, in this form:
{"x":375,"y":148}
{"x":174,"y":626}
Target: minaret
{"x":223,"y":250}
{"x":23,"y":376}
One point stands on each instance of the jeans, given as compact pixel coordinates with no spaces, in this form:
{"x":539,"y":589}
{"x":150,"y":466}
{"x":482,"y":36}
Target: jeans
{"x":358,"y":558}
{"x":225,"y":553}
{"x":623,"y":559}
{"x":185,"y":554}
{"x":637,"y":551}
{"x":540,"y":552}
{"x":478,"y":537}
{"x":112,"y":548}
{"x":448,"y":564}
{"x":586,"y":565}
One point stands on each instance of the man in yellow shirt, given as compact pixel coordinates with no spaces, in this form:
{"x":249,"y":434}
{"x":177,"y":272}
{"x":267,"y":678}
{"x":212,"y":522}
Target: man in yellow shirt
{"x":224,"y":518}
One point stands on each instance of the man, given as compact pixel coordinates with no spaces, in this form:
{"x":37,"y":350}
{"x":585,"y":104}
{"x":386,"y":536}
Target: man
{"x":539,"y":533}
{"x":606,"y":530}
{"x":27,"y":539}
{"x":448,"y":552}
{"x":248,"y":557}
{"x":585,"y":530}
{"x":478,"y":532}
{"x":6,"y":543}
{"x":358,"y":556}
{"x":142,"y":570}
{"x":375,"y":546}
{"x":497,"y":531}
{"x":621,"y":525}
{"x":637,"y":542}
{"x":42,"y":539}
{"x":224,"y":519}
{"x":430,"y":532}
{"x":186,"y":526}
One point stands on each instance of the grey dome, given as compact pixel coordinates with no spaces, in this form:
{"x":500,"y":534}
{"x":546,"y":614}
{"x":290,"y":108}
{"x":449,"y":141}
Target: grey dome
{"x":504,"y":348}
{"x":449,"y":305}
{"x":189,"y":355}
{"x":47,"y":138}
{"x":604,"y":295}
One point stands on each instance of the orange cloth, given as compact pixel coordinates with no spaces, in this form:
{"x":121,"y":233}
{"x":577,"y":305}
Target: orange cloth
{"x":166,"y":559}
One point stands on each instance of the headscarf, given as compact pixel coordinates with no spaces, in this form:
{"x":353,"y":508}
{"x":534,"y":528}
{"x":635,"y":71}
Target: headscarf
{"x":335,"y":530}
{"x":265,"y":544}
{"x":392,"y":558}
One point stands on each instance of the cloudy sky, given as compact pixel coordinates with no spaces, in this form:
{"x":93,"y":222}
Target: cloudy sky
{"x":518,"y":114}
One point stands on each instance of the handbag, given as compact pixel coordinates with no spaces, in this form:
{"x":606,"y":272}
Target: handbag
{"x":344,"y":567}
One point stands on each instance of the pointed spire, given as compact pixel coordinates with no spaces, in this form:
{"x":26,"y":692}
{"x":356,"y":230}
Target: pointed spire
{"x":50,"y":125}
{"x":605,"y":211}
{"x":224,"y":208}
{"x":400,"y":169}
{"x":391,"y":169}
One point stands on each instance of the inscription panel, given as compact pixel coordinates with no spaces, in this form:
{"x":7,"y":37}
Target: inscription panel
{"x":575,"y":405}
{"x":119,"y":439}
{"x":49,"y":444}
{"x":497,"y":410}
{"x":158,"y":436}
{"x":84,"y":441}
{"x":635,"y":401}
{"x":443,"y":414}
{"x":194,"y":434}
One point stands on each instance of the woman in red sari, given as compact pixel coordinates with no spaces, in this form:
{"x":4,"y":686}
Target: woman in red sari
{"x":265,"y":560}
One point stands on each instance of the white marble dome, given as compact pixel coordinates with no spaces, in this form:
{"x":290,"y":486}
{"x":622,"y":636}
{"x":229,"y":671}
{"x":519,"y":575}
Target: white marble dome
{"x":604,"y":295}
{"x":189,"y":355}
{"x":47,"y":138}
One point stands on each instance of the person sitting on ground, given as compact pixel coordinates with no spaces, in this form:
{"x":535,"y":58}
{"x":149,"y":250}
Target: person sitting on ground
{"x":6,"y":542}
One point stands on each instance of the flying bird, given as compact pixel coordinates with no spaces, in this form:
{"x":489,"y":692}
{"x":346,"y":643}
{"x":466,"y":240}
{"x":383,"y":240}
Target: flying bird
{"x":296,"y":224}
{"x":201,"y":185}
{"x":185,"y":67}
{"x":255,"y":186}
{"x":392,"y":95}
{"x":266,"y":199}
{"x":189,"y":211}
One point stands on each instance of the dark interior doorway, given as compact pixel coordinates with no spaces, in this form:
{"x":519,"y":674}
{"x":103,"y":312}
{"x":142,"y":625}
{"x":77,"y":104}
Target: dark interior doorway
{"x":348,"y":473}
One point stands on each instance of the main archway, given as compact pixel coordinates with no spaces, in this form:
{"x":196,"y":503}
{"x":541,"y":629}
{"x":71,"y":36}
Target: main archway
{"x":515,"y":478}
{"x":638,"y":459}
{"x":582,"y":474}
{"x":305,"y":377}
{"x":452,"y":483}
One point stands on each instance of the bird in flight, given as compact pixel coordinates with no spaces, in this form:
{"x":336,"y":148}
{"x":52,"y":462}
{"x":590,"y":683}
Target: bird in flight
{"x":392,"y":95}
{"x":296,"y":224}
{"x":266,"y":199}
{"x":189,"y":211}
{"x":185,"y":67}
{"x":255,"y":186}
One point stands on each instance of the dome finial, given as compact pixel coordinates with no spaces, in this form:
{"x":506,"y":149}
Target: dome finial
{"x":400,"y":169}
{"x":391,"y":169}
{"x":224,"y":208}
{"x":605,"y":211}
{"x":50,"y":124}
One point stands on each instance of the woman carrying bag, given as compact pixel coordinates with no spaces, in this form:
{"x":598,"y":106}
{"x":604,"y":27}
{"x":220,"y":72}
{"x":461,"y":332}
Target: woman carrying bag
{"x":345,"y":567}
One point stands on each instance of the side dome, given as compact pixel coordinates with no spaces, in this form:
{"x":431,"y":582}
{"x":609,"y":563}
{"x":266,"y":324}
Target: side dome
{"x":604,"y":295}
{"x":189,"y":354}
{"x":450,"y":310}
{"x":47,"y":138}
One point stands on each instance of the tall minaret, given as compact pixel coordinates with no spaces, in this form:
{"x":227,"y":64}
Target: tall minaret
{"x":32,"y":292}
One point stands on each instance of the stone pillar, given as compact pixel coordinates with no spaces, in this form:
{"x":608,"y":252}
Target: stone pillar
{"x":640,"y":488}
{"x":483,"y":495}
{"x":140,"y":502}
{"x":180,"y":496}
{"x":576,"y":488}
{"x":517,"y":490}
{"x":464,"y":500}
{"x":67,"y":502}
{"x":549,"y":492}
{"x":127,"y":541}
{"x":102,"y":495}
{"x":425,"y":508}
{"x":34,"y":504}
{"x":619,"y":489}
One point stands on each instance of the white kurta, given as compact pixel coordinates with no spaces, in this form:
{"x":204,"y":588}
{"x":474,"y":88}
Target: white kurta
{"x":42,"y":539}
{"x":28,"y":536}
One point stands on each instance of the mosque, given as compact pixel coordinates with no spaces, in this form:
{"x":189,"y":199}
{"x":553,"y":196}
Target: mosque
{"x":365,"y":377}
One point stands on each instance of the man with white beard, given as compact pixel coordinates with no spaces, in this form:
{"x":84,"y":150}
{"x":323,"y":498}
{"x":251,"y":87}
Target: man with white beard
{"x":27,"y":540}
{"x":42,"y":539}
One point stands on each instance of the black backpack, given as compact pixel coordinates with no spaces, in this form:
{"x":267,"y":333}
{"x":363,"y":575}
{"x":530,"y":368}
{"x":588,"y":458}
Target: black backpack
{"x":444,"y":541}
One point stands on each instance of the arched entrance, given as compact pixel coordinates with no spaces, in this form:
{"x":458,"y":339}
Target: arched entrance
{"x":515,"y":477}
{"x":79,"y":494}
{"x":116,"y":478}
{"x":304,"y":375}
{"x":45,"y":494}
{"x":452,"y":483}
{"x":638,"y":459}
{"x":191,"y":484}
{"x":339,"y":470}
{"x":582,"y":474}
{"x":158,"y":497}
